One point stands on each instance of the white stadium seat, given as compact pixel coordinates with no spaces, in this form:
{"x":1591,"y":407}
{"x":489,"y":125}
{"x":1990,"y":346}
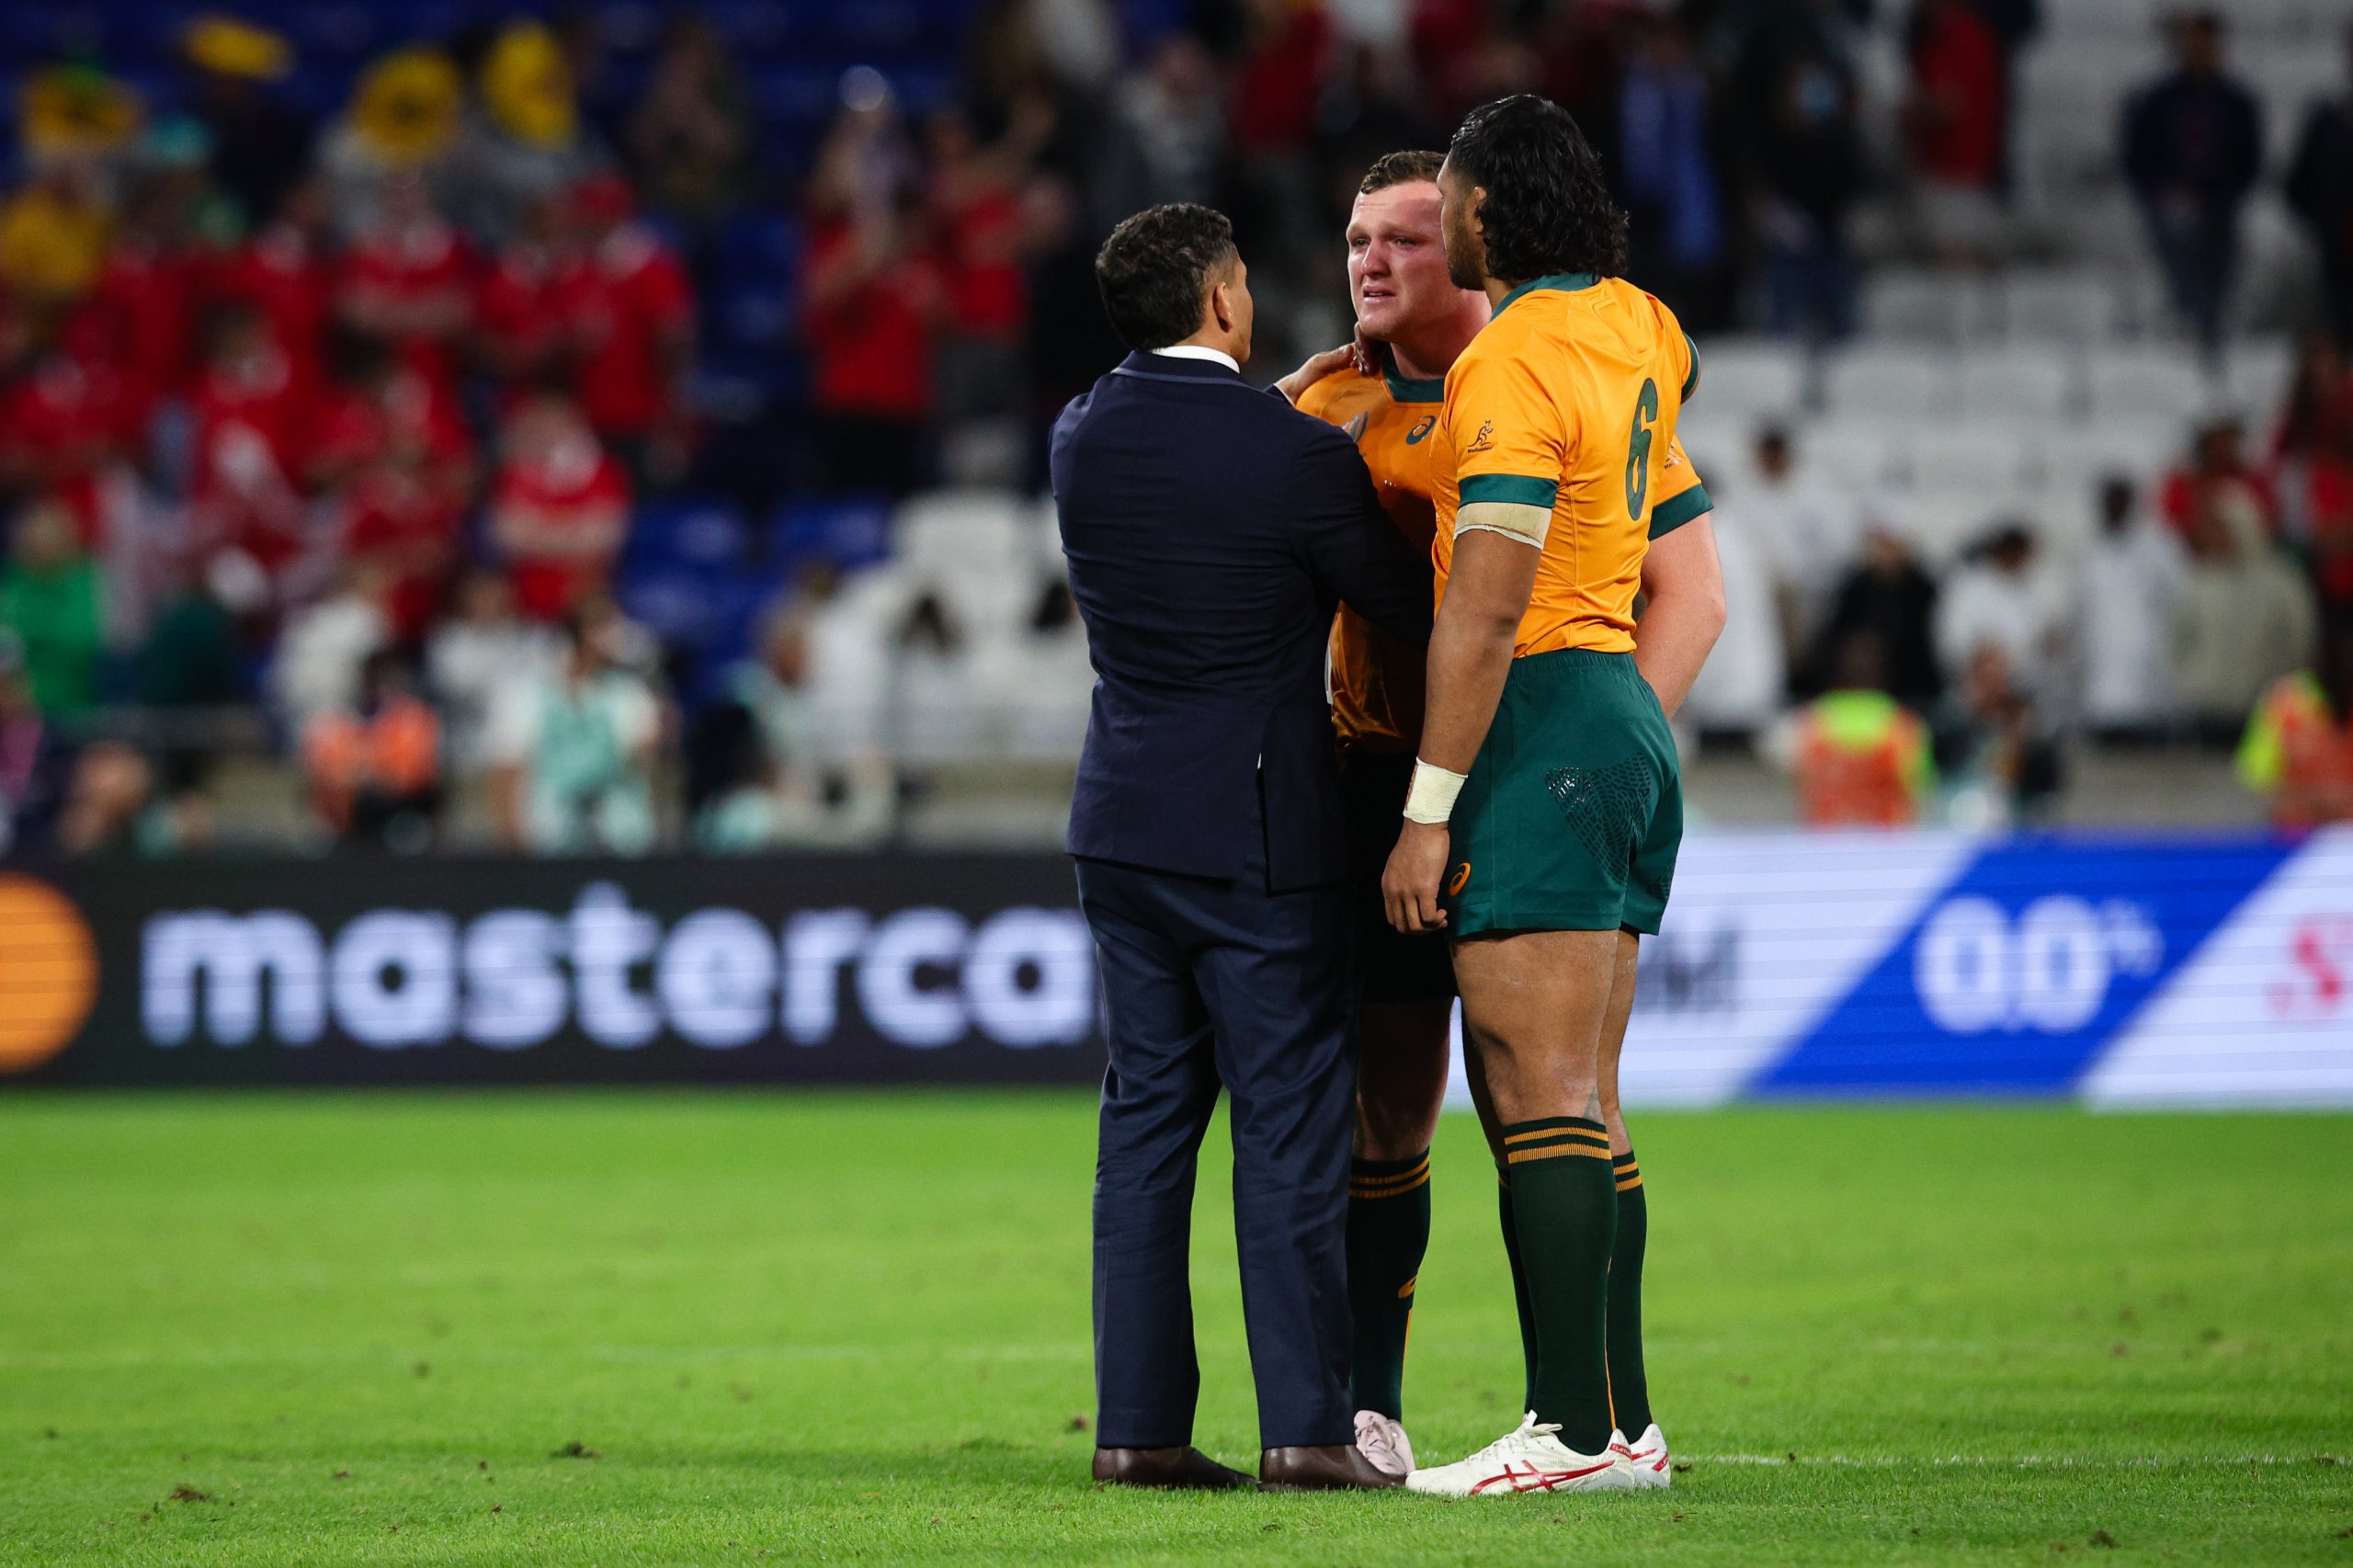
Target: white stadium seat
{"x":1911,"y":382}
{"x":2021,"y":384}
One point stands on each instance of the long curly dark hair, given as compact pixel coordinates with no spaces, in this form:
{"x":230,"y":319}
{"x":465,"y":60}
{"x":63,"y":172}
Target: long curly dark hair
{"x":1548,"y":210}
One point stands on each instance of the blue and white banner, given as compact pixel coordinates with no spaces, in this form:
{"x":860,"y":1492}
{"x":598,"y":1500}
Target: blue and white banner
{"x":2127,"y":972}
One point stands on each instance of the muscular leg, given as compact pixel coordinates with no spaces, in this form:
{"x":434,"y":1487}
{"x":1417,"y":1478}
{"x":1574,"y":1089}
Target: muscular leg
{"x":1630,"y":1397}
{"x":1401,"y":1085}
{"x":1535,"y":1005}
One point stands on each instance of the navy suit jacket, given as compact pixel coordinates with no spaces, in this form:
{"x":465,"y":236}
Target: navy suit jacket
{"x":1211,"y":529}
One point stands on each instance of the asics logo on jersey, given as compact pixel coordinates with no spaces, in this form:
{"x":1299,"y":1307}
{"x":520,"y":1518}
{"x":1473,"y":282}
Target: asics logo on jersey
{"x":1354,"y":428}
{"x":1414,"y":437}
{"x":1485,"y":441}
{"x":1535,"y":1480}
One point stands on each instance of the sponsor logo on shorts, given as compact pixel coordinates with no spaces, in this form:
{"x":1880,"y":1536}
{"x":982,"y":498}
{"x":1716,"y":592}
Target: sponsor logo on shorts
{"x":1461,"y":878}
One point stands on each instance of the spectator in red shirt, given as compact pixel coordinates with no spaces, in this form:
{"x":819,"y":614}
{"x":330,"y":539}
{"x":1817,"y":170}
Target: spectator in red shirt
{"x":976,"y":210}
{"x":519,"y":320}
{"x":140,"y":318}
{"x":282,"y":271}
{"x":409,"y":280}
{"x":252,"y":412}
{"x":559,"y":506}
{"x":394,"y":456}
{"x":2219,"y":477}
{"x":1954,"y":118}
{"x":632,"y":315}
{"x":63,"y":424}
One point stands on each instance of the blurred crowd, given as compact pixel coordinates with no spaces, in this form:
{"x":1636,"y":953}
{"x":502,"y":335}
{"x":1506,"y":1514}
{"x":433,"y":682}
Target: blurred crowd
{"x":2211,"y":608}
{"x":344,"y":423}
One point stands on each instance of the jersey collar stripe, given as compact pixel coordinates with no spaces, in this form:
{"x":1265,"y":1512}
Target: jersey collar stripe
{"x":1565,"y":282}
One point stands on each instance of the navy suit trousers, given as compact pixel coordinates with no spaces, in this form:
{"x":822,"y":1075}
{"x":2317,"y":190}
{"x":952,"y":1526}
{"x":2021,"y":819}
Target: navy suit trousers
{"x":1215,"y":983}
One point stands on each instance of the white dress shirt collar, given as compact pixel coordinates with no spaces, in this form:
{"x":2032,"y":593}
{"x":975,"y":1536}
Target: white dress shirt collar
{"x":1195,"y":351}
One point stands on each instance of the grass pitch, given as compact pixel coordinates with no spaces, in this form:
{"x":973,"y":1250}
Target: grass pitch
{"x":586,"y":1329}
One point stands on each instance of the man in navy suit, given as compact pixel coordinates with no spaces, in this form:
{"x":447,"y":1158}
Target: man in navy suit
{"x":1211,"y":529}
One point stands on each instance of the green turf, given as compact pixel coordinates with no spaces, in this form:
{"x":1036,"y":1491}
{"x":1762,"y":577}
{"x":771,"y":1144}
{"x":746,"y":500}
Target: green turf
{"x":845,"y":1327}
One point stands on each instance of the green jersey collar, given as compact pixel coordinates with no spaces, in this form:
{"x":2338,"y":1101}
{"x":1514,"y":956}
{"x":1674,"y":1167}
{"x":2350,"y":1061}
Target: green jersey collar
{"x":1567,"y":282}
{"x":1408,"y":389}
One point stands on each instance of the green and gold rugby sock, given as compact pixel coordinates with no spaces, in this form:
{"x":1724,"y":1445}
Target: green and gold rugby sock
{"x":1564,"y":1207}
{"x":1389,"y":1230}
{"x":1629,"y":1393}
{"x":1518,"y":1291}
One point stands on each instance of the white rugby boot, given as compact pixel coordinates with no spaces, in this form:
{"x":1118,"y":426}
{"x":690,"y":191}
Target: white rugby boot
{"x":1654,"y":1471}
{"x":1529,"y":1459}
{"x":1382,"y":1440}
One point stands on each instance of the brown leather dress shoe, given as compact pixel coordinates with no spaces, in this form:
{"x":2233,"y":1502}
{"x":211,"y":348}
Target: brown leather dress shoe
{"x":1338,"y":1468}
{"x":1176,"y":1469}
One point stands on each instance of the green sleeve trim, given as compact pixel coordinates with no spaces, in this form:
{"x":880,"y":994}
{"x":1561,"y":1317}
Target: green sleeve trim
{"x":1691,"y":382}
{"x":1672,"y":514}
{"x":1515,"y":488}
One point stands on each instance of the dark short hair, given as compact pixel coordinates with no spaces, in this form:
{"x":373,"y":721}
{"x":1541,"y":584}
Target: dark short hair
{"x":1548,"y":210}
{"x":1158,"y":267}
{"x":1400,"y":168}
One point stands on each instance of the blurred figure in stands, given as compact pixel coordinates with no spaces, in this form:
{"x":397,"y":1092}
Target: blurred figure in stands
{"x":1742,"y":686}
{"x":2320,"y":187}
{"x":396,"y":461}
{"x":2313,"y":470}
{"x":2001,"y":597}
{"x":481,"y":645}
{"x":253,"y":413}
{"x":63,"y":427}
{"x":375,"y":768}
{"x":2193,"y":149}
{"x":1166,"y":140}
{"x":768,"y":782}
{"x":1994,"y":750}
{"x":525,"y":143}
{"x":1861,"y":758}
{"x":521,"y":332}
{"x":327,"y":644}
{"x":1667,"y":166}
{"x":873,"y":304}
{"x":1889,"y":596}
{"x":2132,"y":584}
{"x":572,"y":747}
{"x":402,"y":124}
{"x":139,"y":318}
{"x":2219,"y":477}
{"x":1955,"y":118}
{"x":1793,"y":86}
{"x":260,"y":146}
{"x":53,"y":237}
{"x":52,"y":605}
{"x":975,"y":210}
{"x":1809,"y":534}
{"x":559,"y":506}
{"x":36,"y":757}
{"x":2297,"y":750}
{"x":691,"y":138}
{"x":2246,"y":620}
{"x":632,"y":313}
{"x":282,"y":272}
{"x":408,"y":280}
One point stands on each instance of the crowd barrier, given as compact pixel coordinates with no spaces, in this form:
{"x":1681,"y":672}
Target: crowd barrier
{"x":2123,"y":970}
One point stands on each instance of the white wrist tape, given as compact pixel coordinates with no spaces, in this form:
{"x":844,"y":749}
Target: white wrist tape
{"x":1430,"y":798}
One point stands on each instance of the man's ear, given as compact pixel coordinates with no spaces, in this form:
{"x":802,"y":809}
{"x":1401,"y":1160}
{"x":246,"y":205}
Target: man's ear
{"x":1221,"y":307}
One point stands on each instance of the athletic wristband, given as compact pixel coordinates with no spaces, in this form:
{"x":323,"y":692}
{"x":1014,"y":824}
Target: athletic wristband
{"x":1429,"y":800}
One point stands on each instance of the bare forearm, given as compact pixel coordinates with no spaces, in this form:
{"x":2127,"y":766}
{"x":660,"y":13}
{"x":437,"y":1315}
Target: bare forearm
{"x":1671,"y":642}
{"x":1470,"y":657}
{"x":1685,"y":582}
